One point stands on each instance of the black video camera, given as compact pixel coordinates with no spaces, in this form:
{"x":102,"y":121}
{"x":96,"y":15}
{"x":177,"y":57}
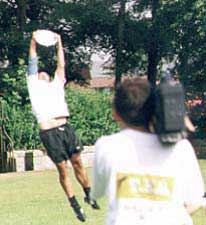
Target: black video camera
{"x":169,"y":110}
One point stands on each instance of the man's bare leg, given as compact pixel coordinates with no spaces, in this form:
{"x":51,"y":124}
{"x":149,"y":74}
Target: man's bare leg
{"x":64,"y":179}
{"x":66,"y":184}
{"x":82,"y":178}
{"x":79,"y":170}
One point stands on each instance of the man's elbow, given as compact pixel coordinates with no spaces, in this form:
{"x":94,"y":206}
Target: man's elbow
{"x":61,"y":65}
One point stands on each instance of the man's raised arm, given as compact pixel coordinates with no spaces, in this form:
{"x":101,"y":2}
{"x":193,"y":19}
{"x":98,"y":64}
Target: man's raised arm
{"x":60,"y":71}
{"x":33,"y":60}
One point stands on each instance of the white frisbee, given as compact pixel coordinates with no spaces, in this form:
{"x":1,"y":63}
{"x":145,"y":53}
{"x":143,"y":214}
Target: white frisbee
{"x":45,"y":37}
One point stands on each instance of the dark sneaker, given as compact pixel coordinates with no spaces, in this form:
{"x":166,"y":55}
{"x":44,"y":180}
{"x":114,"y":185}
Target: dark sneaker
{"x":77,"y":209}
{"x":91,"y":202}
{"x":204,"y":195}
{"x":79,"y":213}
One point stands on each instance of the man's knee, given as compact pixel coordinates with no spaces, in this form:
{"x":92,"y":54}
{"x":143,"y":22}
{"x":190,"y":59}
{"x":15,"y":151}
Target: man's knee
{"x":76,"y":161}
{"x":62,"y":169}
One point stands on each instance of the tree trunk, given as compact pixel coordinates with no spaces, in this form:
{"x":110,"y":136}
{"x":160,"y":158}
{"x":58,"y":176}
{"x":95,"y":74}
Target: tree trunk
{"x":18,"y":47}
{"x":119,"y":46}
{"x":21,"y":14}
{"x":153,"y":47}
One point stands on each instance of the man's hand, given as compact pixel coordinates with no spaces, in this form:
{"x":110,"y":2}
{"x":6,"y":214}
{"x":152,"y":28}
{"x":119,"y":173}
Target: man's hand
{"x":34,"y":33}
{"x":57,"y":38}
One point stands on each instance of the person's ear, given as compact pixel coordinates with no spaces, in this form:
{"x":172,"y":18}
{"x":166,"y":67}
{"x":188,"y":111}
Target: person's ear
{"x":152,"y":125}
{"x":116,"y":116}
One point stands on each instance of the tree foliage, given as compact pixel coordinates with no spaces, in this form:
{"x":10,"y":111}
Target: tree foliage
{"x":140,"y":35}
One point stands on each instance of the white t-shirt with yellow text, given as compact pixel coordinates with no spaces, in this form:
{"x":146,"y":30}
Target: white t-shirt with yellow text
{"x":146,"y":182}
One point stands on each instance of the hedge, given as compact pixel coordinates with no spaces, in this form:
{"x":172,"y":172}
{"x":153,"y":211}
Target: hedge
{"x":90,"y":115}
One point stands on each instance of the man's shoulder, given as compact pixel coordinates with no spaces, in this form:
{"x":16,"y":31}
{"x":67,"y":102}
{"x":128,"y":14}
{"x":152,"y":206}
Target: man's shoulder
{"x":108,"y":145}
{"x":110,"y":137}
{"x":32,"y":79}
{"x":59,"y":79}
{"x":184,"y":143}
{"x":109,"y":142}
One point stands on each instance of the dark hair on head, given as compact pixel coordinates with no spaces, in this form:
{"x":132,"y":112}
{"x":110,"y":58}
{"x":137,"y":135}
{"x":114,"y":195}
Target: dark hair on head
{"x":133,"y":101}
{"x":44,"y":70}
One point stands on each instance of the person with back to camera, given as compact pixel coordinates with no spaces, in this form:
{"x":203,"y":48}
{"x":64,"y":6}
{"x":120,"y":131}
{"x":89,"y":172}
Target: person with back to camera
{"x":48,"y":103}
{"x":147,"y":183}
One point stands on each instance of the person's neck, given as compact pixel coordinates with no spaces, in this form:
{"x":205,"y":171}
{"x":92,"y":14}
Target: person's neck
{"x":137,"y":128}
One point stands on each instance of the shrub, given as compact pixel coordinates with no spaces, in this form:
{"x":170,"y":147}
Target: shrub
{"x":21,"y":127}
{"x":90,"y":115}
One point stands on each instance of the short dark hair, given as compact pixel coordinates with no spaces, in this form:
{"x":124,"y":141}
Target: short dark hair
{"x":44,"y":70}
{"x":133,"y":101}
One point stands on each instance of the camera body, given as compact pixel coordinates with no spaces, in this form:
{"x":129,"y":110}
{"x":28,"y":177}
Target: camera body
{"x":169,"y":110}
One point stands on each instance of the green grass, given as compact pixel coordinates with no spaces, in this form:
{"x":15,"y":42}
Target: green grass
{"x":36,"y":198}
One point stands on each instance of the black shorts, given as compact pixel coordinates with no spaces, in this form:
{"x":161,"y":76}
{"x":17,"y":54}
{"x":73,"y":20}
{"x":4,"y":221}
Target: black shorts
{"x":61,"y":143}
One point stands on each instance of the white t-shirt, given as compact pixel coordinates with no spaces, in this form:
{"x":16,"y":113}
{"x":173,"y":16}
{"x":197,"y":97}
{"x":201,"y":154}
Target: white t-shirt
{"x":146,"y":182}
{"x":47,"y":98}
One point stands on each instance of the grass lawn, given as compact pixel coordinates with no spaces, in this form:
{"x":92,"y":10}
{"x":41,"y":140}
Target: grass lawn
{"x":36,"y":198}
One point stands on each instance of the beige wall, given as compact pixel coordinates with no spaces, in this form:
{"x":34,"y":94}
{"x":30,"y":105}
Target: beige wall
{"x":38,"y":160}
